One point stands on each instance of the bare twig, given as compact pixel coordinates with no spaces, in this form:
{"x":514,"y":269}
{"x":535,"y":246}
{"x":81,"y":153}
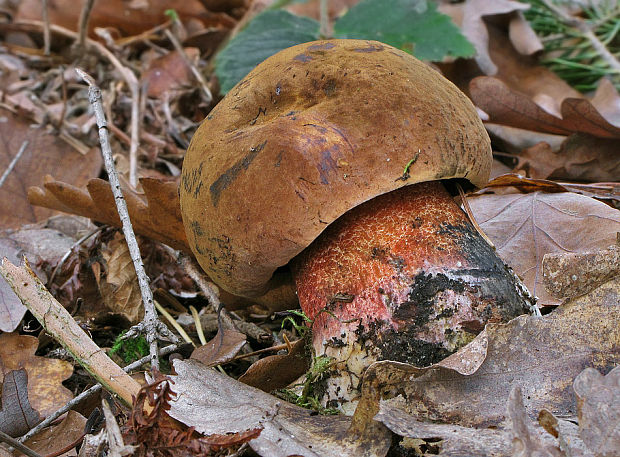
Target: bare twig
{"x":201,"y":80}
{"x":57,"y":321}
{"x":153,"y":328}
{"x":9,"y":169}
{"x":209,"y":290}
{"x":83,"y":25}
{"x":46,"y":28}
{"x":17,"y":445}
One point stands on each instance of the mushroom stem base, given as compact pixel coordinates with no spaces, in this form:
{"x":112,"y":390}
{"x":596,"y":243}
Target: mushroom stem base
{"x":402,"y":277}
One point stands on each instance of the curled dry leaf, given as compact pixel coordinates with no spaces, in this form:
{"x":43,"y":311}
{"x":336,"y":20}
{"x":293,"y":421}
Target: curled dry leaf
{"x":509,"y":107}
{"x":119,"y":287}
{"x":45,"y":375}
{"x":541,"y":354}
{"x":598,"y":401}
{"x":230,"y":406}
{"x":17,"y":415}
{"x":525,"y":227}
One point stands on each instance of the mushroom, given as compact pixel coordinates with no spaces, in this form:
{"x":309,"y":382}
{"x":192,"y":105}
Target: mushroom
{"x":327,"y":160}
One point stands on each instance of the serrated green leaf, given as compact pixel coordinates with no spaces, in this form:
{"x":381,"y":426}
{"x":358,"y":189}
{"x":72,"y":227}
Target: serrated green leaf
{"x":267,"y":34}
{"x":411,"y":25}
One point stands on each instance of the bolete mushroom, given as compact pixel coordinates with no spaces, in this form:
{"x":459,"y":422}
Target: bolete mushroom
{"x":326,"y":159}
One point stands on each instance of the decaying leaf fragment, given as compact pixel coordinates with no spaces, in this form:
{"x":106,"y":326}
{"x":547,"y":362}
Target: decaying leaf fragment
{"x":230,"y":406}
{"x":17,"y":415}
{"x":598,"y":401}
{"x":541,"y":354}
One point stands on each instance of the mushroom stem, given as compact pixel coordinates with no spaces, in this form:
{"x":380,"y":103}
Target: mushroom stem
{"x":405,"y":277}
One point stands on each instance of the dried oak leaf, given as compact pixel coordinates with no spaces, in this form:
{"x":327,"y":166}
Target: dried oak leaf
{"x":579,"y":158}
{"x":214,"y":403}
{"x":17,"y":415}
{"x":45,"y":375}
{"x":541,"y":354}
{"x":156,"y":214}
{"x":598,"y":402}
{"x":525,"y":227}
{"x":45,"y":153}
{"x":509,"y":107}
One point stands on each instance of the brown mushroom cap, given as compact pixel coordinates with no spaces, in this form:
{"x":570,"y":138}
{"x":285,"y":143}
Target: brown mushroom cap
{"x":310,"y":133}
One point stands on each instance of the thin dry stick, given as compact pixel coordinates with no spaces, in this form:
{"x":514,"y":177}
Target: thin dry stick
{"x":9,"y":169}
{"x":17,"y":445}
{"x":150,"y":325}
{"x":209,"y":289}
{"x":201,"y":80}
{"x":57,"y":322}
{"x":83,"y":25}
{"x":46,"y":28}
{"x":91,"y":391}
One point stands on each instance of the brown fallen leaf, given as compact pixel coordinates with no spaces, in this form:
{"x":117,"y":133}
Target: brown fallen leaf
{"x":541,"y":354}
{"x":45,"y":153}
{"x":129,"y":18}
{"x":508,"y":107}
{"x":119,"y":287}
{"x":168,"y":73}
{"x":45,"y":375}
{"x":57,"y":437}
{"x":278,"y":371}
{"x":598,"y":401}
{"x":579,"y":158}
{"x":216,"y":404}
{"x":525,"y":227}
{"x":224,"y":346}
{"x":17,"y":415}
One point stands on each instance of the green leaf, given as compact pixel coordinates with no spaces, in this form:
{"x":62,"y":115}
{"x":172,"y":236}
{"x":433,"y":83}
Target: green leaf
{"x":267,"y":34}
{"x":414,"y":26}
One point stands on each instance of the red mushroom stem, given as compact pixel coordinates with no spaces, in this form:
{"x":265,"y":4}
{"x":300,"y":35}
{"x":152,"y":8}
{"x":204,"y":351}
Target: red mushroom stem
{"x":404,"y":276}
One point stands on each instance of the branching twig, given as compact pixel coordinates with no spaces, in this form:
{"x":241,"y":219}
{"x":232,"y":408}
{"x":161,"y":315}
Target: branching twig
{"x":9,"y":169}
{"x":153,"y":328}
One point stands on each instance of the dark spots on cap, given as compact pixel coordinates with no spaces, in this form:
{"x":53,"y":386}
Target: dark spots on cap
{"x":229,"y":176}
{"x":327,"y":163}
{"x":262,"y":111}
{"x":370,"y":48}
{"x":196,"y":229}
{"x":330,"y":87}
{"x":321,"y":47}
{"x":302,"y":58}
{"x":191,"y":181}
